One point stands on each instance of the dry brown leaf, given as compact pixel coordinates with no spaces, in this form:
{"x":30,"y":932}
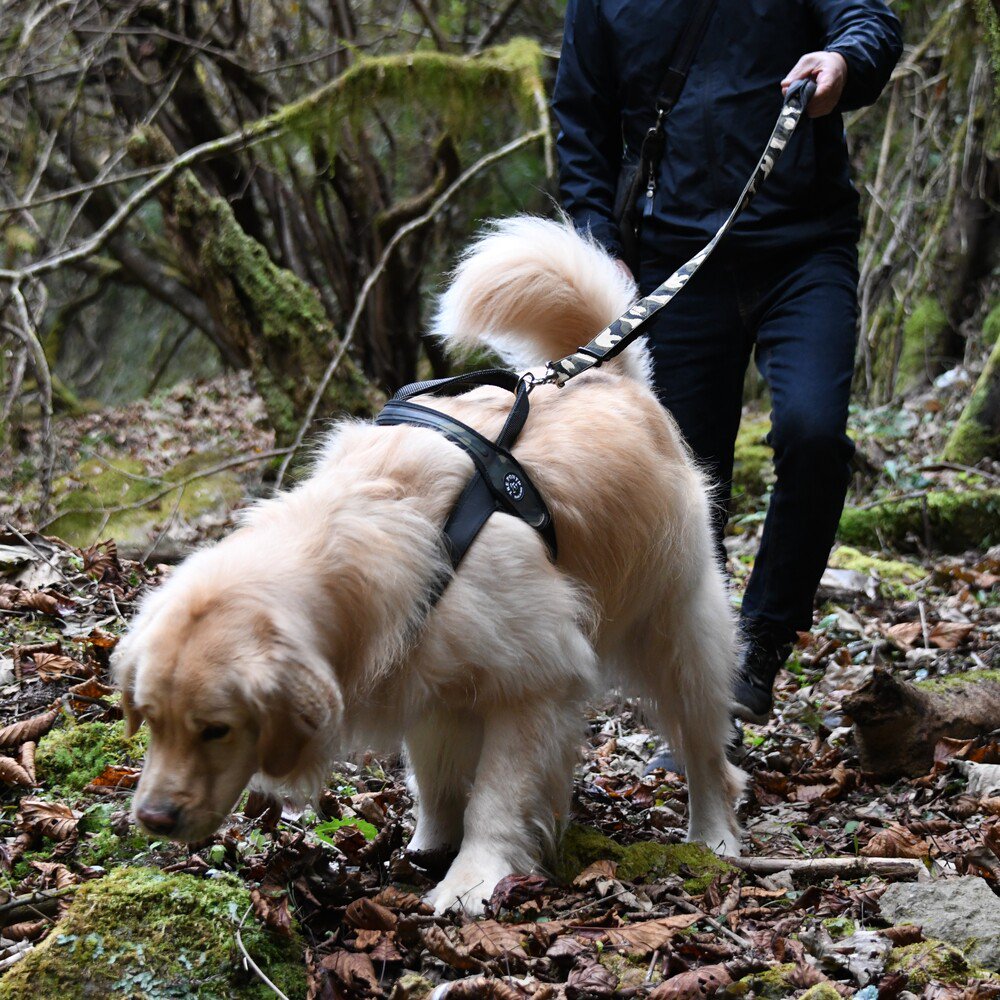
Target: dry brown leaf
{"x":100,"y":557}
{"x":592,"y":981}
{"x":28,"y":729}
{"x":10,"y":597}
{"x":479,"y":988}
{"x":640,"y":939}
{"x":273,"y":911}
{"x":56,"y":874}
{"x":115,"y":777}
{"x":47,"y":603}
{"x":437,"y":942}
{"x":399,"y":899}
{"x":27,"y":930}
{"x":370,"y":915}
{"x":904,"y":635}
{"x":896,"y":842}
{"x":353,"y":969}
{"x":103,"y":640}
{"x":693,"y":985}
{"x":490,"y":939}
{"x":50,"y":819}
{"x":385,"y":949}
{"x":599,"y":869}
{"x":13,"y":773}
{"x":51,"y":666}
{"x":516,"y":890}
{"x":949,"y":635}
{"x":27,"y":760}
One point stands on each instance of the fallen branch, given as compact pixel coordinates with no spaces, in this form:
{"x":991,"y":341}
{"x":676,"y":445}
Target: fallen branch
{"x":887,"y":868}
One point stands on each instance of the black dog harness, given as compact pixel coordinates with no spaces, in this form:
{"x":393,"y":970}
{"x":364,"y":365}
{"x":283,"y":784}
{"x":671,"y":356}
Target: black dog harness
{"x":499,"y":483}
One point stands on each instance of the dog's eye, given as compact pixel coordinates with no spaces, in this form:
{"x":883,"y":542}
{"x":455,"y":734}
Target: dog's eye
{"x":214,"y":733}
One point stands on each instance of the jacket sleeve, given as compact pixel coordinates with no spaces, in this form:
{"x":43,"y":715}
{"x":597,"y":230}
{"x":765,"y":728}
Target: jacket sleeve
{"x":588,"y":143}
{"x":869,"y":37}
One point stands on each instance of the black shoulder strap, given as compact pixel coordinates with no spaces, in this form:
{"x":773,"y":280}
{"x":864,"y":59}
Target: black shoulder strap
{"x":683,"y":55}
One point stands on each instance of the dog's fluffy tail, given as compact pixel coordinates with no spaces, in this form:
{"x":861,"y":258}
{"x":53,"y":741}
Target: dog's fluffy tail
{"x":532,"y":289}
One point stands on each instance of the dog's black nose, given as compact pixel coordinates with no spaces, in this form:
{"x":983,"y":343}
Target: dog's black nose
{"x":159,"y":818}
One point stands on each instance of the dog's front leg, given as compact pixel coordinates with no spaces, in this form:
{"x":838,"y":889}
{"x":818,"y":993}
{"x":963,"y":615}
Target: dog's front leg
{"x":520,"y":795}
{"x":442,"y":751}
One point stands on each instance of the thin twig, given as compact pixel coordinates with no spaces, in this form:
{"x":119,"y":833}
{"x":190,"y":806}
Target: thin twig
{"x":377,"y":271}
{"x":685,"y":904}
{"x":251,"y":963}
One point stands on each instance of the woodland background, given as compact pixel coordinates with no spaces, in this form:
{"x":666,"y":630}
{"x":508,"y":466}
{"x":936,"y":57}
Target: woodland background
{"x":223,"y":223}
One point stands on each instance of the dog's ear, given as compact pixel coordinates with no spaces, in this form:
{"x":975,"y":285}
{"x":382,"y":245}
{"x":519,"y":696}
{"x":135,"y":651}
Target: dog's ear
{"x":298,"y":715}
{"x":123,"y":672}
{"x":287,"y":728}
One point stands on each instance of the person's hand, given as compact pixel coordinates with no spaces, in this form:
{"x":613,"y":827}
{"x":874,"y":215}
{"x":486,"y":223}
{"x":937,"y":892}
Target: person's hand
{"x":829,"y":70}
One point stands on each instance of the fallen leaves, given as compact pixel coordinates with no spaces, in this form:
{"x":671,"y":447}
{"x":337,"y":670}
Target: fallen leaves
{"x":896,"y":842}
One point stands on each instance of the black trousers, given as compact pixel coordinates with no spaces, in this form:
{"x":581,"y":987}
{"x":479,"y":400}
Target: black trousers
{"x":796,"y":314}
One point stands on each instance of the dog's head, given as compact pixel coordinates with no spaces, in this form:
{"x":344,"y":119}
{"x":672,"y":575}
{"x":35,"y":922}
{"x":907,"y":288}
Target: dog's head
{"x":229,"y":689}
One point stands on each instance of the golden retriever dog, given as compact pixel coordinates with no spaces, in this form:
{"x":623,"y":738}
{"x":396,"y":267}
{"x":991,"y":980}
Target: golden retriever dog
{"x":308,"y":634}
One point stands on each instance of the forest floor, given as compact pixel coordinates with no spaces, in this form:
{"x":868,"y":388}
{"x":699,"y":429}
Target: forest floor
{"x":327,"y":903}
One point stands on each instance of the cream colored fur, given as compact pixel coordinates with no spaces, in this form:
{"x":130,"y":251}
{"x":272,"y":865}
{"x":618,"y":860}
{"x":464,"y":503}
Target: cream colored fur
{"x":306,"y":631}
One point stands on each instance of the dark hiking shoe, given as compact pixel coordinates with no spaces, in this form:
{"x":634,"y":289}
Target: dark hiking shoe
{"x":763,"y":656}
{"x":664,"y":757}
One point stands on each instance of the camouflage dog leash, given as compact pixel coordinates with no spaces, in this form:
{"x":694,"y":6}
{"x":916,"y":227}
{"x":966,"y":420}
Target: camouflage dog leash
{"x":613,"y":339}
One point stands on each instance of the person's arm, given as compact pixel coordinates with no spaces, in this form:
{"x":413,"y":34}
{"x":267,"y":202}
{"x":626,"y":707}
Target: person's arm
{"x":863,"y":42}
{"x":589,"y":140}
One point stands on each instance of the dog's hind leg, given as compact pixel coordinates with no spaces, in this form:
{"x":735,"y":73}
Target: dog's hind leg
{"x":520,"y":797}
{"x":442,"y":751}
{"x":690,"y":693}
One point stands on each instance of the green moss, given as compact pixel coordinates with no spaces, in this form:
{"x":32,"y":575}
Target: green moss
{"x":753,"y":469}
{"x":582,"y":846}
{"x":88,"y":499}
{"x":932,"y":961}
{"x":894,"y":575}
{"x":991,"y":326}
{"x":139,"y":933}
{"x":839,"y":927}
{"x":70,"y":758}
{"x":955,"y":521}
{"x":923,"y":340}
{"x":821,"y":991}
{"x":631,"y":973}
{"x":952,"y":682}
{"x":771,"y":984}
{"x":976,"y":434}
{"x":453,"y":87}
{"x":100,"y":845}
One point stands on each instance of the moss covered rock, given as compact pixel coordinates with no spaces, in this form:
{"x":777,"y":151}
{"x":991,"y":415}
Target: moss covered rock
{"x":771,"y":984}
{"x":895,"y":576}
{"x":976,"y":434}
{"x":821,"y":991}
{"x":933,"y":961}
{"x":582,"y":846}
{"x":954,"y":521}
{"x":139,"y":933}
{"x":70,"y":758}
{"x":117,"y":498}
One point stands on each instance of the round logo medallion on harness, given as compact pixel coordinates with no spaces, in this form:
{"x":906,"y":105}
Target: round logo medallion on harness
{"x":513,"y":485}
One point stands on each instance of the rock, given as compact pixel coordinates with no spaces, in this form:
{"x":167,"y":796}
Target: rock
{"x":141,"y":932}
{"x":962,"y":911}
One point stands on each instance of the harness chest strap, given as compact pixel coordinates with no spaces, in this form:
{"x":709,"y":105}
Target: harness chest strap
{"x":499,"y":482}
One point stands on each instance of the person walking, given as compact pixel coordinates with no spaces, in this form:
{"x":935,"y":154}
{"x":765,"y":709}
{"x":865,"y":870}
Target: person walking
{"x":781,"y":287}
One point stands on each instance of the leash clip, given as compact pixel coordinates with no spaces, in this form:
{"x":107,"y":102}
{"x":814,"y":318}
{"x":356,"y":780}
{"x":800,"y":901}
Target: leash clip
{"x":529,"y":380}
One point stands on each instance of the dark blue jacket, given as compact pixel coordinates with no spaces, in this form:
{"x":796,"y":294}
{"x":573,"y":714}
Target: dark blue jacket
{"x":613,"y":57}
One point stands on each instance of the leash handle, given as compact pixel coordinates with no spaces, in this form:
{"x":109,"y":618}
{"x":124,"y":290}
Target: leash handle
{"x":615,"y":337}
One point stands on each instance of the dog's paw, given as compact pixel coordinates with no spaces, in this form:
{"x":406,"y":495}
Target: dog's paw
{"x":467,"y":886}
{"x":724,"y":843}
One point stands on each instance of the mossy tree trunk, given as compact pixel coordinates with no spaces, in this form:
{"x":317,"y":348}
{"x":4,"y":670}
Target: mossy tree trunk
{"x":977,"y":433}
{"x":270,"y":320}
